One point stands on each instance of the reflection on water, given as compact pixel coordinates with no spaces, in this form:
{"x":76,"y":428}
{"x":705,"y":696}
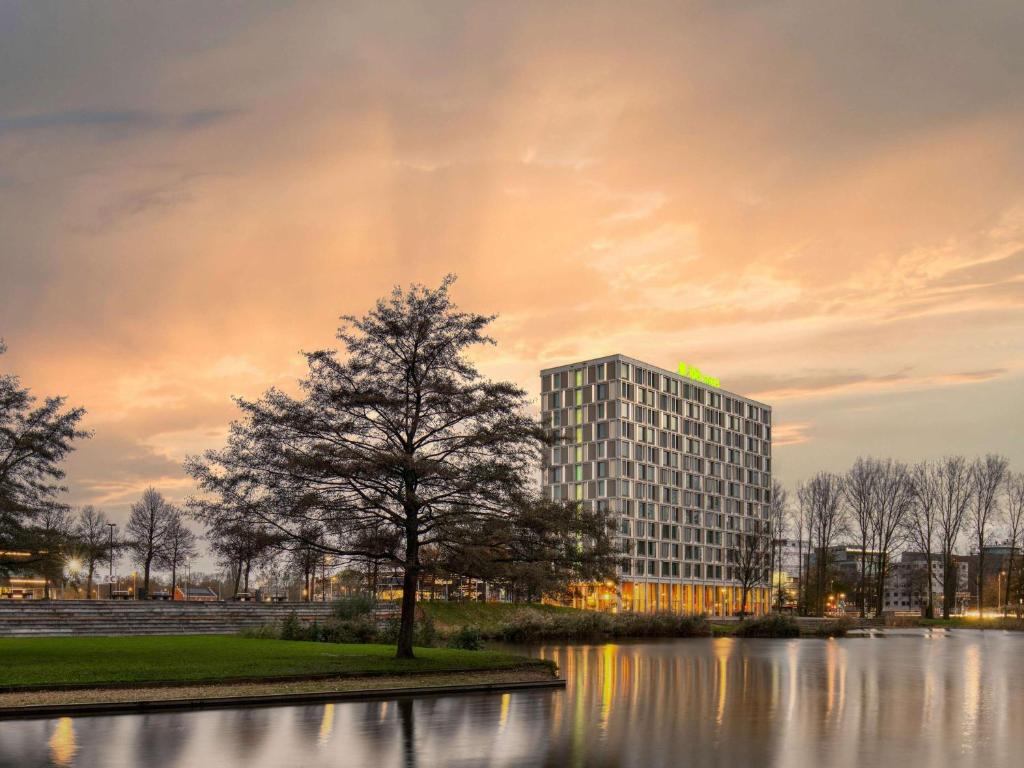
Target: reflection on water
{"x":936,"y":699}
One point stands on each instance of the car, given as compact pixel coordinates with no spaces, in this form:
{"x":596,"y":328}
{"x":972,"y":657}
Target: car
{"x":243,"y":597}
{"x":162,"y":595}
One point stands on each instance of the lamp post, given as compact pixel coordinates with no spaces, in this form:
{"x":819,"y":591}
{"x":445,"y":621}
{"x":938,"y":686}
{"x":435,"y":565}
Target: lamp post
{"x":110,"y":575}
{"x":999,"y":593}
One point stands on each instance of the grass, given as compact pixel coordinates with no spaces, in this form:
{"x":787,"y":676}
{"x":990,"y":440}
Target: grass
{"x":56,"y":661}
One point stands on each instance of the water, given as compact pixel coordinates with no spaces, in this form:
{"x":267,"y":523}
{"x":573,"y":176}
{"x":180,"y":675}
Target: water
{"x":914,"y":698}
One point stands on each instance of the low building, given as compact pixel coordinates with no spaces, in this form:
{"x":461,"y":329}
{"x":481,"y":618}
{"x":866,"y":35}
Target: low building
{"x":195,"y":594}
{"x":909,"y":579}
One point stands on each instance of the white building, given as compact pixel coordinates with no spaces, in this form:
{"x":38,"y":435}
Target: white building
{"x":683,"y":464}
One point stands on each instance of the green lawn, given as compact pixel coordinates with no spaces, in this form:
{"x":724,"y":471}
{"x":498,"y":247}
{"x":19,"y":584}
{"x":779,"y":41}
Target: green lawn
{"x":486,"y":617}
{"x":52,"y":661}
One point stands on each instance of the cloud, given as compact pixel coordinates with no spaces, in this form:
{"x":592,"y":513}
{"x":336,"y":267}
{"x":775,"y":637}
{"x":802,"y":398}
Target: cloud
{"x":113,"y":123}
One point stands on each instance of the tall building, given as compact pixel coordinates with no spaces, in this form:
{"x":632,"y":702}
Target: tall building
{"x":683,"y":465}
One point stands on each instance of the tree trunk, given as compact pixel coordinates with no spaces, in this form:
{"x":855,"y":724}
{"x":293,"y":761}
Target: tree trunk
{"x":238,"y":577}
{"x":174,"y":578}
{"x":145,"y":580}
{"x":981,"y":579}
{"x":409,"y":584}
{"x":1009,"y":578}
{"x":743,"y":600}
{"x":948,"y":584}
{"x":88,"y":581}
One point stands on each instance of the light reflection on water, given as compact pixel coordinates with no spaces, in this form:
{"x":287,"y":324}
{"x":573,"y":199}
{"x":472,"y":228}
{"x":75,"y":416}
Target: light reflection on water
{"x":942,"y":699}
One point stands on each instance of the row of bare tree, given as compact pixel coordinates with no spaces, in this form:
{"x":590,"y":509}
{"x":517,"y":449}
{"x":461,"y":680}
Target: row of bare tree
{"x":882,"y":506}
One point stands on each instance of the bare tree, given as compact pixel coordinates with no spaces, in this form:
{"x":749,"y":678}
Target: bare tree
{"x":987,"y":477}
{"x":922,"y":521}
{"x":801,"y":519}
{"x":750,"y":558}
{"x":777,"y":519}
{"x":953,"y":487}
{"x":177,"y":548}
{"x":826,"y":523}
{"x":146,"y":531}
{"x":92,"y":538}
{"x":51,"y":537}
{"x":861,"y":494}
{"x":1014,"y":491}
{"x":893,"y":502}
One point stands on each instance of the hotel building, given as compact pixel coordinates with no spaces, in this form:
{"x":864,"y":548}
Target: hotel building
{"x":683,"y":466}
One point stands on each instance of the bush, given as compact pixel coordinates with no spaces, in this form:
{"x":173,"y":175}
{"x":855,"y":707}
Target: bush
{"x":773,"y":625}
{"x":424,"y":633}
{"x":527,"y":625}
{"x":353,"y":607}
{"x":466,"y":639}
{"x":291,"y":628}
{"x":361,"y":629}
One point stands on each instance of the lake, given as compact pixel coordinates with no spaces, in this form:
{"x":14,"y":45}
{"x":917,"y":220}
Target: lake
{"x":914,"y":697}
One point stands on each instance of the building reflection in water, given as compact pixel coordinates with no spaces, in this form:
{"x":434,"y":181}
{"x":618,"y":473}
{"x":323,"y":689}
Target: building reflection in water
{"x":941,"y":699}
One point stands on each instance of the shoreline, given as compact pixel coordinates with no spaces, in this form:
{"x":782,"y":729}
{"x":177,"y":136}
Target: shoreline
{"x":267,"y":692}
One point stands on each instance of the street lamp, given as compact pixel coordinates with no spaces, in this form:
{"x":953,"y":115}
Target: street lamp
{"x":110,"y":579}
{"x":999,"y":593}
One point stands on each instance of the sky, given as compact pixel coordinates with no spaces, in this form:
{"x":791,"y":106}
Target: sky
{"x":819,"y":203}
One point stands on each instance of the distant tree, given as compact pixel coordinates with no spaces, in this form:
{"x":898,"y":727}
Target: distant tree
{"x":92,"y":538}
{"x":953,"y":479}
{"x":34,"y":441}
{"x":823,"y":496}
{"x":404,"y":434}
{"x":922,"y":521}
{"x":1014,"y":499}
{"x":778,"y":508}
{"x":750,"y":555}
{"x":178,"y":546}
{"x":988,"y":475}
{"x":893,"y":503}
{"x":237,"y":530}
{"x":146,"y":532}
{"x":860,"y":492}
{"x":540,"y":548}
{"x":51,"y":538}
{"x":801,"y":518}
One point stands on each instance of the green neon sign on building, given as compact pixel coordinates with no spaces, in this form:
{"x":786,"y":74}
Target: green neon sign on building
{"x":693,"y":372}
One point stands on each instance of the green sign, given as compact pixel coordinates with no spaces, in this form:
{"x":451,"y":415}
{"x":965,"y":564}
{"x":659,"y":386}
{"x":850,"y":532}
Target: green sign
{"x":693,"y":372}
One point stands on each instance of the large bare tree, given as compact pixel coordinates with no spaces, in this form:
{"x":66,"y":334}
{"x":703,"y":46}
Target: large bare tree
{"x":953,"y":493}
{"x":402,"y":434}
{"x":988,"y":476}
{"x":146,"y":532}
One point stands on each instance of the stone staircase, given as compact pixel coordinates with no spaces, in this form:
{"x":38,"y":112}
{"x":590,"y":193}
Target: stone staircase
{"x":56,"y":618}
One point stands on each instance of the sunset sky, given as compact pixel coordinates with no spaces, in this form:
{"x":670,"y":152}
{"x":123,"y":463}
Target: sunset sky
{"x":822,"y":204}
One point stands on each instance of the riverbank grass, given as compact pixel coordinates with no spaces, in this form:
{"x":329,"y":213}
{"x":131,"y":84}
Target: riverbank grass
{"x":51,"y":662}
